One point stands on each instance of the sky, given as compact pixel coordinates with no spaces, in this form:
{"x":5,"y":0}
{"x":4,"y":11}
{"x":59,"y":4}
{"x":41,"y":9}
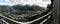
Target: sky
{"x":1,"y":2}
{"x":42,"y":3}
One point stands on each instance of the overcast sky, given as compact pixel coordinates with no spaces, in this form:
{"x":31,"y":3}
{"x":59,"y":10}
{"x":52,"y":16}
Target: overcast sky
{"x":42,"y":3}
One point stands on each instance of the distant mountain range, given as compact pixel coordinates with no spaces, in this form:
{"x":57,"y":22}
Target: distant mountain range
{"x":22,"y":8}
{"x":28,"y":8}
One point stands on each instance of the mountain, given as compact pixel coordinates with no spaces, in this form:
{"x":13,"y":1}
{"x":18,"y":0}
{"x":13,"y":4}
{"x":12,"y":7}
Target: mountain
{"x":28,"y":8}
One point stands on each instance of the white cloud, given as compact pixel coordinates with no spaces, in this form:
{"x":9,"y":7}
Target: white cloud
{"x":42,"y":3}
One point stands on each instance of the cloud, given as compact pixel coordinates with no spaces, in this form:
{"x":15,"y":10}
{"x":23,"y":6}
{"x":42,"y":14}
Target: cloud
{"x":42,"y":3}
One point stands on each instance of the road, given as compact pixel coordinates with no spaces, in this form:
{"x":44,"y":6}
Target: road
{"x":24,"y":22}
